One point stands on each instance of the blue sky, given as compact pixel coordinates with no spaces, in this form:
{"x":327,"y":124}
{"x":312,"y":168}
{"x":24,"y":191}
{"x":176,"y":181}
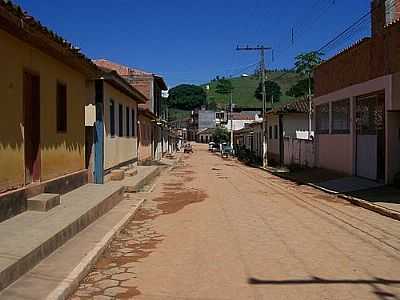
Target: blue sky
{"x":193,"y":41}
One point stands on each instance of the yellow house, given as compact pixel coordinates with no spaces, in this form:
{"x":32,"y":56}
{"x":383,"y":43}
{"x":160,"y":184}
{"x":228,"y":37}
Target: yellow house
{"x":44,"y":86}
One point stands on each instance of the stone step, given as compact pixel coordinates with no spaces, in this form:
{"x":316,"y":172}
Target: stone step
{"x":43,"y":202}
{"x":117,"y":175}
{"x":131,"y":172}
{"x":29,"y":237}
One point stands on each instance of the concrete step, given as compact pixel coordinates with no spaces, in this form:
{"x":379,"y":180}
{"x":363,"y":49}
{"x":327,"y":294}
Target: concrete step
{"x":58,"y":275}
{"x":43,"y":202}
{"x":131,"y":172}
{"x":117,"y":175}
{"x":31,"y":236}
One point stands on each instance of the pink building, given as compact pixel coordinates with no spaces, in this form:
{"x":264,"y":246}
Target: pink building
{"x":357,"y":104}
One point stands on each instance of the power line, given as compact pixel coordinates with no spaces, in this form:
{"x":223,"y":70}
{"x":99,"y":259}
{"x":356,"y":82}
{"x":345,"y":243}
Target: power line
{"x":262,"y":50}
{"x":342,"y":34}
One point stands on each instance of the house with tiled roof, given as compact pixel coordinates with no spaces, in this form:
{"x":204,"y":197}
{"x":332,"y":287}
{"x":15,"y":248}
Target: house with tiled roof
{"x":286,"y":121}
{"x":153,"y":136}
{"x":44,"y":85}
{"x":357,"y":102}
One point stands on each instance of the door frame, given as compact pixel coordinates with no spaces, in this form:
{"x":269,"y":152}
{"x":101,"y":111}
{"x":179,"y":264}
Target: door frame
{"x":381,"y":140}
{"x":31,"y":121}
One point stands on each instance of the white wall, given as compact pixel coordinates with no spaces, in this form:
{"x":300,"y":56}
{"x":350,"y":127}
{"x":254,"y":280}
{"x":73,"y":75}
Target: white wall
{"x":237,"y":124}
{"x":296,"y":126}
{"x":299,"y":152}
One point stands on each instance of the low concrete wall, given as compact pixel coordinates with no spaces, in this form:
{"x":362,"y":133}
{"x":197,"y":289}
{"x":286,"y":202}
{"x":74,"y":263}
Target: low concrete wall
{"x":13,"y":203}
{"x":335,"y":152}
{"x":299,"y":152}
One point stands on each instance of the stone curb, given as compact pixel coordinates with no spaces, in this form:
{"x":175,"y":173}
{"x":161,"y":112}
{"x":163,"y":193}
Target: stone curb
{"x":373,"y":207}
{"x":387,"y":212}
{"x":67,"y":287}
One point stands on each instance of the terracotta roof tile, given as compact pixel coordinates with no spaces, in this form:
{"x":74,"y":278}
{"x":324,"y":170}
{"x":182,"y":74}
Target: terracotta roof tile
{"x":29,"y":24}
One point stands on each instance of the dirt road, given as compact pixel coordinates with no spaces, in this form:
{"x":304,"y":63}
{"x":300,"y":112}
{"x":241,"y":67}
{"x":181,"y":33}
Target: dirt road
{"x":215,"y":229}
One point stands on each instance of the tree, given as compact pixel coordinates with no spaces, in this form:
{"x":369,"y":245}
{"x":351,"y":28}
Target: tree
{"x":220,"y":135}
{"x":300,"y":89}
{"x":187,"y":97}
{"x":307,"y":62}
{"x":271,"y":89}
{"x":224,"y":87}
{"x":212,"y":104}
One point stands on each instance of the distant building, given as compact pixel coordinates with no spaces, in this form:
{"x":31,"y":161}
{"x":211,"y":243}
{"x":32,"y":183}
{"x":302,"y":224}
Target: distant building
{"x":205,"y":135}
{"x":237,"y":121}
{"x":152,"y":86}
{"x":206,"y":119}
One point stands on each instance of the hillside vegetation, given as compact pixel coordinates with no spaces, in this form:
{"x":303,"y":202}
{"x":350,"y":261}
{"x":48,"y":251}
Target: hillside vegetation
{"x":244,"y":88}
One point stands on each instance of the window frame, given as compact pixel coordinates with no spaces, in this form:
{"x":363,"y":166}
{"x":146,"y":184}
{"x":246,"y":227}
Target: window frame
{"x":318,"y":130}
{"x":127,"y":121}
{"x":332,"y":122}
{"x":120,"y":120}
{"x":61,"y":108}
{"x":112,"y":118}
{"x":133,"y":121}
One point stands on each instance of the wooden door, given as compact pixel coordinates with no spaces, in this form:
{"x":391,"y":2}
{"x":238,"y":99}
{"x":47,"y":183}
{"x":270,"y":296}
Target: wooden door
{"x":31,"y":98}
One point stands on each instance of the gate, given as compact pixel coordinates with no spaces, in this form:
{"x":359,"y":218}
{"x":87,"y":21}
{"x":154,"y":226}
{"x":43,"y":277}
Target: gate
{"x":370,"y":136}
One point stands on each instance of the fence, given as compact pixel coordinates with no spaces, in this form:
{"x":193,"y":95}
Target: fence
{"x":299,"y":152}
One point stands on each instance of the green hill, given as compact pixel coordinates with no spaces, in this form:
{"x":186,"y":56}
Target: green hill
{"x":244,"y":88}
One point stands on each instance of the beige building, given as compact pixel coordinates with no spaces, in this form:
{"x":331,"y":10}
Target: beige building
{"x":117,"y":119}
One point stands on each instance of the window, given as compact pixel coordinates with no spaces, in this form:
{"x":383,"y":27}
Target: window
{"x":133,"y":122}
{"x":127,"y":114}
{"x":270,"y":132}
{"x":61,"y":107}
{"x":322,"y":118}
{"x":341,"y":117}
{"x":112,"y":118}
{"x":120,"y":121}
{"x":276,"y":132}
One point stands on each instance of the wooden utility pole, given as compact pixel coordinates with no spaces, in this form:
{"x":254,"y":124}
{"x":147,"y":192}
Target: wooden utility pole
{"x":261,"y":49}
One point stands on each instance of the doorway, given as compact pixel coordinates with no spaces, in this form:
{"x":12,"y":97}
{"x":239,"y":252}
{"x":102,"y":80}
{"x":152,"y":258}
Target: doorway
{"x":31,"y":115}
{"x":370,"y":135}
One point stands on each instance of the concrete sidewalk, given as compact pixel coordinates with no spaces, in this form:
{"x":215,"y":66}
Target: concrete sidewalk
{"x":37,"y":238}
{"x":365,"y":193}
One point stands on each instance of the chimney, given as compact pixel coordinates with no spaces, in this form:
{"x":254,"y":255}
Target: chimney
{"x":384,"y":12}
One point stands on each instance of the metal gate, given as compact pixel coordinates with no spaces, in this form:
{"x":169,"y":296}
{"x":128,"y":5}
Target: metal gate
{"x":370,"y":135}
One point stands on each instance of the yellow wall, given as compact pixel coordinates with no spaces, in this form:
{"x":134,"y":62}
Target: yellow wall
{"x":60,"y":153}
{"x":118,"y":150}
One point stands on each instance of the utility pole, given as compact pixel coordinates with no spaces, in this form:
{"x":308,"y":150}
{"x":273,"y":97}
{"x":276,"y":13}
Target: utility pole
{"x":261,"y":49}
{"x":231,"y":110}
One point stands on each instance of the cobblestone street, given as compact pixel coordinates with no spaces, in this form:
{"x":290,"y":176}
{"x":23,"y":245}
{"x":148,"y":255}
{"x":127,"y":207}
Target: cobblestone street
{"x":215,"y":229}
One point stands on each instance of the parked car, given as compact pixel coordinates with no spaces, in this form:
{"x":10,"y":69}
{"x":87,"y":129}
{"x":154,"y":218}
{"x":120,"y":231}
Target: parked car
{"x":226,"y":151}
{"x":211,"y":146}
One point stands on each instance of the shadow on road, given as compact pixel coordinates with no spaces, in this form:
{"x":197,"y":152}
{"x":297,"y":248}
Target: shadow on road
{"x":318,"y":280}
{"x":375,"y":283}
